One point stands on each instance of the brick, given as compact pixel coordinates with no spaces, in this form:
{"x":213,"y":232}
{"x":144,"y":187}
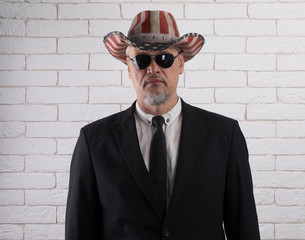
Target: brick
{"x":235,"y":111}
{"x":81,"y":45}
{"x":245,"y":62}
{"x":245,"y":27}
{"x":278,"y":179}
{"x":253,"y":129}
{"x":88,"y":11}
{"x":276,"y":10}
{"x":277,"y":214}
{"x":130,"y":10}
{"x":276,"y":79}
{"x":28,"y":10}
{"x":126,"y":81}
{"x":54,"y":129}
{"x":215,"y":11}
{"x":61,"y":214}
{"x":47,"y":163}
{"x":204,"y":27}
{"x":276,"y":112}
{"x":56,"y":28}
{"x":9,"y":231}
{"x":12,"y":62}
{"x":290,"y":163}
{"x":46,"y":197}
{"x":262,"y":163}
{"x":264,"y":196}
{"x":276,"y":45}
{"x":291,"y":28}
{"x":12,"y":95}
{"x":266,"y":231}
{"x":66,"y":146}
{"x":40,"y":232}
{"x":290,"y":197}
{"x":112,"y":95}
{"x":291,"y":62}
{"x":26,"y":214}
{"x":196,"y":79}
{"x":250,"y":1}
{"x":11,"y":163}
{"x":11,"y":197}
{"x":62,"y":180}
{"x":11,"y":129}
{"x":60,"y":1}
{"x":57,"y":95}
{"x":102,"y":27}
{"x":291,"y":95}
{"x":28,"y":78}
{"x":27,"y":180}
{"x":105,"y":62}
{"x":290,"y":231}
{"x":12,"y":27}
{"x":224,"y":45}
{"x":54,"y":62}
{"x":27,"y":146}
{"x":291,"y":129}
{"x":205,"y":1}
{"x":245,"y":95}
{"x":89,"y":78}
{"x":200,"y":62}
{"x":196,"y":95}
{"x":27,"y":45}
{"x":86,"y":112}
{"x":28,"y":113}
{"x":276,"y":146}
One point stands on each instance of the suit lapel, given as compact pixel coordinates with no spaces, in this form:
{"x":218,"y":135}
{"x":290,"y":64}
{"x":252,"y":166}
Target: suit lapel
{"x":127,"y":139}
{"x":191,"y":134}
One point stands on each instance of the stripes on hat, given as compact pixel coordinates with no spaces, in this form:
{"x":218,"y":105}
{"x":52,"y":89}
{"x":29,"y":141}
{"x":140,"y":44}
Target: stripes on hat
{"x":153,"y":31}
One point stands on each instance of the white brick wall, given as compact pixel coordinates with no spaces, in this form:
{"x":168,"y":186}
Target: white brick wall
{"x":56,"y":76}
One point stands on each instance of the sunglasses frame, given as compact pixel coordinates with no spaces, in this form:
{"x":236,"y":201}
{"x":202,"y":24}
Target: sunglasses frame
{"x":134,"y":61}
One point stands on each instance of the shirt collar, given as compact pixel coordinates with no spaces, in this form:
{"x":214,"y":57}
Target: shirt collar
{"x":169,"y":117}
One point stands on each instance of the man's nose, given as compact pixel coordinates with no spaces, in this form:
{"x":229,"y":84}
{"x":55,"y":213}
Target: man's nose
{"x":153,"y":67}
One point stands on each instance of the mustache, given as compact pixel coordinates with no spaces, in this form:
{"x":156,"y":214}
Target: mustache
{"x":154,"y":76}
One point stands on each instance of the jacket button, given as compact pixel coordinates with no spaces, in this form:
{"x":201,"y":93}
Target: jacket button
{"x":166,"y":233}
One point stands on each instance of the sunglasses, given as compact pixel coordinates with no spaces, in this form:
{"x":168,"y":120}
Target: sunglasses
{"x":164,"y":60}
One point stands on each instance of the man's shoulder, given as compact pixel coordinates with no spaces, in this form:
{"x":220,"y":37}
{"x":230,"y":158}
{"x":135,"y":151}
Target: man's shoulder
{"x":208,"y":116}
{"x":110,"y":122}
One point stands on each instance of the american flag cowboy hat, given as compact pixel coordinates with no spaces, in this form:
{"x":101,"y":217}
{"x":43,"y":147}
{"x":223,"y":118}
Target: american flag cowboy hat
{"x":153,"y":31}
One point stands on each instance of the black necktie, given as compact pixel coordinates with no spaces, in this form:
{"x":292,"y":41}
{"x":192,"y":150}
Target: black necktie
{"x":157,"y":167}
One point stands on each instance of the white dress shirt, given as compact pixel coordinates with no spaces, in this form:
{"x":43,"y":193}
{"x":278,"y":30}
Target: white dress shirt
{"x":172,"y":130}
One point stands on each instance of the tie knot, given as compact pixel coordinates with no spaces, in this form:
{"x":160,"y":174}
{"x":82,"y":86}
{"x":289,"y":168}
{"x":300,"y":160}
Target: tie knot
{"x":157,"y":121}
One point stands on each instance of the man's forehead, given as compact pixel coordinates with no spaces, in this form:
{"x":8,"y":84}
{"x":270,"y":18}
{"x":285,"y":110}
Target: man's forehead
{"x":168,"y":50}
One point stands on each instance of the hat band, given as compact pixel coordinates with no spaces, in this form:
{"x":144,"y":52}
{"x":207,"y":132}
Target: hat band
{"x":153,"y":38}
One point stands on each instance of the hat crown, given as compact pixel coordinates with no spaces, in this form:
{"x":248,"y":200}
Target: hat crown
{"x":148,"y":26}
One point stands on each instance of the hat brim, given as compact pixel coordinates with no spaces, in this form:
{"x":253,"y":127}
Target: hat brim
{"x":116,"y":43}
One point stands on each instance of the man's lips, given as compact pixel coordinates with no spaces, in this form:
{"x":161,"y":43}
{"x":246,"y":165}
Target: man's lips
{"x":155,"y":81}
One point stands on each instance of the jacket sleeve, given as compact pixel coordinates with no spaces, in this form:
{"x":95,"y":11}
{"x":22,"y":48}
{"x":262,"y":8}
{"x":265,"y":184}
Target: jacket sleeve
{"x":240,"y":217}
{"x":83,"y":209}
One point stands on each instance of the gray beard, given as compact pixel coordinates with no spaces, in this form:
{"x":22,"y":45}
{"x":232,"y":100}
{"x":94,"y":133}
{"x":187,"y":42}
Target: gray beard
{"x":155,"y":99}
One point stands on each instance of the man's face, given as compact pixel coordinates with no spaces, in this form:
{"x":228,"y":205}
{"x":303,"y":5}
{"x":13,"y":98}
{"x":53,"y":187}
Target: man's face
{"x":155,"y":85}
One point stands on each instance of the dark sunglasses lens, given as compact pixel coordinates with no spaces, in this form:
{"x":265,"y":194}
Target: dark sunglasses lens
{"x":165,"y":60}
{"x":142,"y":61}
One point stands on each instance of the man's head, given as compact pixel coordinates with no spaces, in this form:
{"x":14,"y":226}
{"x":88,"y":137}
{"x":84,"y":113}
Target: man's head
{"x":157,"y":82}
{"x":155,"y":54}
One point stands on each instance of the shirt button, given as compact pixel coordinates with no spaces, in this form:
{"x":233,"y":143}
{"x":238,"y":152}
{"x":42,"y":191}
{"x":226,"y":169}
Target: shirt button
{"x":166,"y":233}
{"x":167,"y":120}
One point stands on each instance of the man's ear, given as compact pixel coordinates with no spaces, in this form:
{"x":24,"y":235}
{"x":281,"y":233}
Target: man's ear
{"x":181,"y":69}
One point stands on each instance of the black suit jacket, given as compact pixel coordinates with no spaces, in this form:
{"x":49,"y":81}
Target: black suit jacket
{"x":111,"y":195}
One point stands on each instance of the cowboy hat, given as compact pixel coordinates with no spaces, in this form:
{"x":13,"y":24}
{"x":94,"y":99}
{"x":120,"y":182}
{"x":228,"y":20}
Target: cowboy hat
{"x":153,"y":31}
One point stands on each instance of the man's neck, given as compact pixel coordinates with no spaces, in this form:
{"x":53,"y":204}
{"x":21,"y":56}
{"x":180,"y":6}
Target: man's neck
{"x":158,"y":110}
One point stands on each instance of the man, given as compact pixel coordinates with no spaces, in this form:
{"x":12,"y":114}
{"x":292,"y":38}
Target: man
{"x":161,"y":169}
